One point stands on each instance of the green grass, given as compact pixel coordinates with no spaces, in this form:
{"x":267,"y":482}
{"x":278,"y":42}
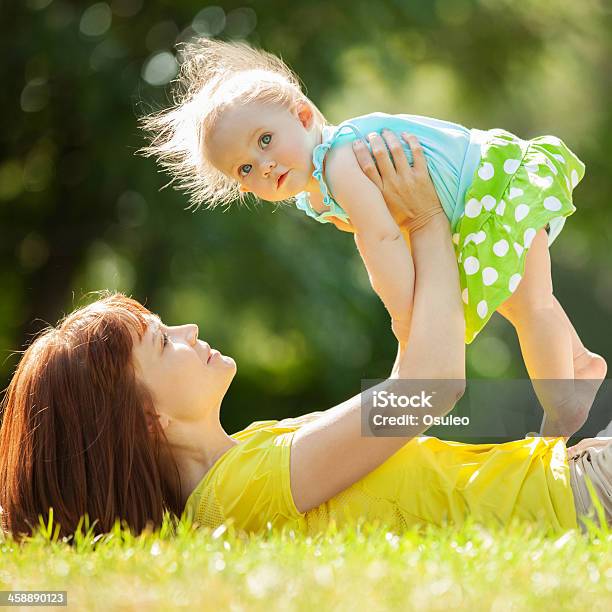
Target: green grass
{"x":367,"y":567}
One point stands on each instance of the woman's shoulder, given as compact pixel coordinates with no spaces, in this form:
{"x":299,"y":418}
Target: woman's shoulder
{"x":275,"y":426}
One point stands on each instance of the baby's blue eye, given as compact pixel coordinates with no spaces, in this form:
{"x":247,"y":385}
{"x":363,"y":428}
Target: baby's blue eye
{"x":265,"y":140}
{"x":245,"y":169}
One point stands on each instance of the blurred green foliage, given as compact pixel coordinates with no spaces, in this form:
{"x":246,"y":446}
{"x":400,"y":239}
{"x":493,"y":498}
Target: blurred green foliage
{"x":287,"y":297}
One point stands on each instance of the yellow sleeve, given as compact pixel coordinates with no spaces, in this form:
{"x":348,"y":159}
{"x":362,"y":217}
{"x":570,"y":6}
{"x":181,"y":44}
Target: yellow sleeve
{"x":251,"y":485}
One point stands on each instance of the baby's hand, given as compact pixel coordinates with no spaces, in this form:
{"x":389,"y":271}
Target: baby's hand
{"x":408,"y":191}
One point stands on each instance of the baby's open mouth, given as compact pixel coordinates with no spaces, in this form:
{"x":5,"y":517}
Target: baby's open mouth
{"x":281,"y":179}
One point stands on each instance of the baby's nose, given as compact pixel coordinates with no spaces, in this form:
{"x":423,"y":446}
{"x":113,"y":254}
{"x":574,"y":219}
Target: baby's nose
{"x":267,"y":167}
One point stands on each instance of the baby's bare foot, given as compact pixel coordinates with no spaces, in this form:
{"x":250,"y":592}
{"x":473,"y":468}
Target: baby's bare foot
{"x":590,"y":366}
{"x":589,"y":371}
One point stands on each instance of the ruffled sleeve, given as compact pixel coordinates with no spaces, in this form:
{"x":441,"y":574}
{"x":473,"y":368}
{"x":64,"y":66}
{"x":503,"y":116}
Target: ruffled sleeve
{"x":331,"y":135}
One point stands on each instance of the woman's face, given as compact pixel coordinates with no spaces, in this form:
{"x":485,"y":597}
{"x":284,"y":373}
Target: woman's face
{"x":184,"y":375}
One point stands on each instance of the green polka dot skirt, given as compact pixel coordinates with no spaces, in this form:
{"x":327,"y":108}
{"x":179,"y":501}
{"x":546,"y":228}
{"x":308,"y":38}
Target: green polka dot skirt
{"x":520,"y":187}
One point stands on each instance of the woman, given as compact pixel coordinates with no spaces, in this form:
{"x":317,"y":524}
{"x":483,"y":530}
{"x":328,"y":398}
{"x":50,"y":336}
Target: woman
{"x":114,"y":414}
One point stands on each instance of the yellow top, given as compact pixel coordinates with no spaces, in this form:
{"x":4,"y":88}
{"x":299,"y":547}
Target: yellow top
{"x":427,"y":481}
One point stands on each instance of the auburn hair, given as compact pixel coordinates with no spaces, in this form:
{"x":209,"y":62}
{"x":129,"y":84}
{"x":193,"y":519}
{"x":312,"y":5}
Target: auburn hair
{"x":213,"y":76}
{"x":74,"y":434}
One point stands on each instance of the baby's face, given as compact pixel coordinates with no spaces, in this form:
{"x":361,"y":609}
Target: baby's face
{"x":266,"y":148}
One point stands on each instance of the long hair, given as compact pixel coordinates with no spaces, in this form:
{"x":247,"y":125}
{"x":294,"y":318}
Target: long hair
{"x":214,"y":75}
{"x":74,"y":433}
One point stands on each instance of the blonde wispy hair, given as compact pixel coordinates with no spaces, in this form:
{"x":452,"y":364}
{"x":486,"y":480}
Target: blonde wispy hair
{"x":214,"y":75}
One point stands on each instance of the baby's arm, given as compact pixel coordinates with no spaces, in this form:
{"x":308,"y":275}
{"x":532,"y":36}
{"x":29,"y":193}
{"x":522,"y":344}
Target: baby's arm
{"x":380,"y":243}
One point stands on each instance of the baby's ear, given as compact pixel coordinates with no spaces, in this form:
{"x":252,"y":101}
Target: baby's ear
{"x":304,"y":113}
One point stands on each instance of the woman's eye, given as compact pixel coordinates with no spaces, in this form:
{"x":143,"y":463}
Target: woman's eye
{"x":166,"y":339}
{"x":265,"y":140}
{"x":244,"y":169}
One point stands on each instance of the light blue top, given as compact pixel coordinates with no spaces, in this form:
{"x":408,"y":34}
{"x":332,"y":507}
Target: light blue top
{"x":452,"y":153}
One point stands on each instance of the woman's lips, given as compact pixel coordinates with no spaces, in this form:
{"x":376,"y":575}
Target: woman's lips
{"x":213,"y":353}
{"x":281,"y":179}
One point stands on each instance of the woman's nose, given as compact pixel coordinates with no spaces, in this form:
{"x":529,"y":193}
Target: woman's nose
{"x":191,"y":333}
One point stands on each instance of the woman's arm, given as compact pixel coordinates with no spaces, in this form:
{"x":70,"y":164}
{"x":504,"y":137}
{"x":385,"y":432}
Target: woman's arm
{"x":330,"y":454}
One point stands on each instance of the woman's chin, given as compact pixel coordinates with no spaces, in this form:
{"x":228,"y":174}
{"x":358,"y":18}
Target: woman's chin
{"x":228,"y":363}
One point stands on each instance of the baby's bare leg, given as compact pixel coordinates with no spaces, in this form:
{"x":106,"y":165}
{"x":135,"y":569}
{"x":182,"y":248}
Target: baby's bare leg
{"x":546,"y":343}
{"x":589,"y":368}
{"x":587,"y":365}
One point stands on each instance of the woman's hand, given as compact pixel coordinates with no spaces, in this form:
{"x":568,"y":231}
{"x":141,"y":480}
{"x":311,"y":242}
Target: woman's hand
{"x":408,"y":191}
{"x":583,"y":445}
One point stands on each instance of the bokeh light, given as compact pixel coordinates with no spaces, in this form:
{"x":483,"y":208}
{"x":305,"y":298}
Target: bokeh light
{"x":160,"y":68}
{"x":96,"y":19}
{"x":33,"y":251}
{"x":34,"y":96}
{"x":489,"y":356}
{"x":132,"y":209}
{"x":240,"y":22}
{"x":126,"y":8}
{"x":105,"y":267}
{"x":210,"y":21}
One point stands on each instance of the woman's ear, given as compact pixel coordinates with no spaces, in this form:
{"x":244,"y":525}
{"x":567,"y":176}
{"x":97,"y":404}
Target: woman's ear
{"x":303,"y":110}
{"x":164,"y":421}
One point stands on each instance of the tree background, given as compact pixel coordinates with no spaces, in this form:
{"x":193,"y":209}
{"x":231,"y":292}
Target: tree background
{"x":287,"y":297}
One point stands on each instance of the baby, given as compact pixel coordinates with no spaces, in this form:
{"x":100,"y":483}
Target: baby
{"x":241,"y":124}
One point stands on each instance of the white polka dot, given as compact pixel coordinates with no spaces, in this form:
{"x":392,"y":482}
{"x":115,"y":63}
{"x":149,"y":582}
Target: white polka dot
{"x":569,"y":187}
{"x":528,"y":237}
{"x":574,"y":178}
{"x":486,"y":172}
{"x":531,"y":167}
{"x":479,"y":237}
{"x":489,"y":276}
{"x":552,"y":166}
{"x":511,"y":165}
{"x":507,"y":228}
{"x":471,"y":265}
{"x":514,"y":281}
{"x":501,"y":247}
{"x":501,"y":208}
{"x":518,"y":248}
{"x":473,"y":208}
{"x":559,"y":157}
{"x":482,"y":309}
{"x":552,"y":203}
{"x":546,"y":181}
{"x":521,"y":211}
{"x":464,"y":296}
{"x":456,"y":238}
{"x":488,"y":202}
{"x":543,"y":182}
{"x":515,"y":192}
